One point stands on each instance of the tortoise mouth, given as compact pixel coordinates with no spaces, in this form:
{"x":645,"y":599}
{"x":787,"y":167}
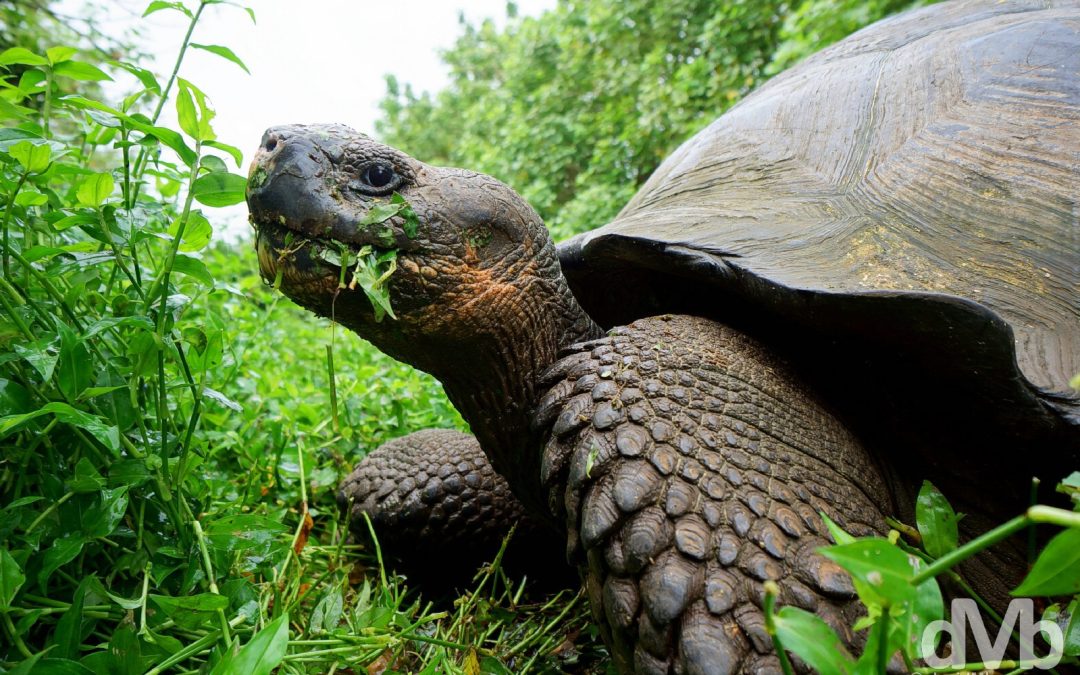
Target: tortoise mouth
{"x":289,"y":256}
{"x":319,"y":272}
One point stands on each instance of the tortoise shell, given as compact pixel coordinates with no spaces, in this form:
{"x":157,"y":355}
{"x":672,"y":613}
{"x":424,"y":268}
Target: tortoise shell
{"x":903,"y":205}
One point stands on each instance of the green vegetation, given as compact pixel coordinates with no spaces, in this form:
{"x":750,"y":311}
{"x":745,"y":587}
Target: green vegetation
{"x":577,"y":107}
{"x":172,"y":430}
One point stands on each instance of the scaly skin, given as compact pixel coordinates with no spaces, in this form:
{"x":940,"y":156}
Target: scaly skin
{"x":690,"y":467}
{"x":432,"y":495}
{"x":683,"y":463}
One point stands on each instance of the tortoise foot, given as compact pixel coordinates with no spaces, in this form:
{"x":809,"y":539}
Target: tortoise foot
{"x":440,"y":512}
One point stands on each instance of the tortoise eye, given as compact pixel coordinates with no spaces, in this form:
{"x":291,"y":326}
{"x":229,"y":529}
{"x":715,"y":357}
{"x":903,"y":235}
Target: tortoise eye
{"x":378,"y":176}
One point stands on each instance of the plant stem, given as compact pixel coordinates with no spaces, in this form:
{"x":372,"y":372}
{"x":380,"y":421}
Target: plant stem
{"x":46,"y":108}
{"x":141,"y":159}
{"x":52,"y":507}
{"x":15,"y":639}
{"x":7,"y":220}
{"x":1054,"y":516}
{"x":333,"y":386}
{"x":197,"y":526}
{"x":771,"y":591}
{"x":192,"y":649}
{"x":1035,"y":514}
{"x":969,"y":549}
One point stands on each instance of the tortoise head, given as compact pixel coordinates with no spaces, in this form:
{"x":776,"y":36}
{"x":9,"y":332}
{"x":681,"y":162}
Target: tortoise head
{"x":353,"y":229}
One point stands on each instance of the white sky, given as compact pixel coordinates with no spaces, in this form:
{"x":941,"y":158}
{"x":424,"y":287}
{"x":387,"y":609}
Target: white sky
{"x":310,"y":60}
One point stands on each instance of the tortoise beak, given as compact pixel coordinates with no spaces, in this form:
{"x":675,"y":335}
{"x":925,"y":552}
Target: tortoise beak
{"x":285,"y":185}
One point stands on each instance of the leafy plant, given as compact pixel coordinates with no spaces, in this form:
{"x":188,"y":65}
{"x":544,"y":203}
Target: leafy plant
{"x":897,"y":585}
{"x":171,"y":433}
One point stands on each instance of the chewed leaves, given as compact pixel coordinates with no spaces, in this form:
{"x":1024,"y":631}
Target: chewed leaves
{"x":412,"y":223}
{"x":398,"y":206}
{"x":372,"y":269}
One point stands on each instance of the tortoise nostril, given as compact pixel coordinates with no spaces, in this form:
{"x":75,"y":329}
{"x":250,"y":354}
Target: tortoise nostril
{"x":271,"y":144}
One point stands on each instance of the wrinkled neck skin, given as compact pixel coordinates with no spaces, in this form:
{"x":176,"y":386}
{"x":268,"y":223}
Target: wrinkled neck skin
{"x":496,"y":390}
{"x":488,"y":344}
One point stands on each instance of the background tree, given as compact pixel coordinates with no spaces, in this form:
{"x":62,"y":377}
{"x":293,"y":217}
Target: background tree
{"x":577,"y":107}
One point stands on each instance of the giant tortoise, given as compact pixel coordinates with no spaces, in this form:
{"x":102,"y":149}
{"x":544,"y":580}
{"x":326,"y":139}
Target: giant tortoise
{"x":864,"y":274}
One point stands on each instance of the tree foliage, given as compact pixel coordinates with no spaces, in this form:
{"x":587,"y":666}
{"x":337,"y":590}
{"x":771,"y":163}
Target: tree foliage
{"x":577,"y":107}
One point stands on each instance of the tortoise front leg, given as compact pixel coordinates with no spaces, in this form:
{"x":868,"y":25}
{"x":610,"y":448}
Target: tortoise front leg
{"x":691,"y":468}
{"x":440,"y":511}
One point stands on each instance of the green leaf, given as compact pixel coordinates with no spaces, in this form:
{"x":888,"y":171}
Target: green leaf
{"x":838,"y":534}
{"x":59,"y":54}
{"x":92,"y":392}
{"x":212,"y":163}
{"x":192,"y":611}
{"x":247,"y":533}
{"x":194,"y":122}
{"x":60,"y":553}
{"x":87,"y":478}
{"x":885,"y":630}
{"x":412,"y":223}
{"x":197,"y":232}
{"x":101,"y":519}
{"x":129,"y":472}
{"x":69,"y":630}
{"x":144,"y":76}
{"x":878,"y":567}
{"x":327,"y":613}
{"x":125,"y":652}
{"x":83,"y":72}
{"x":75,"y":367}
{"x":11,"y":578}
{"x":1057,"y":569}
{"x":23,"y":56}
{"x":936,"y":520}
{"x":9,"y":110}
{"x":95,"y":190}
{"x":167,"y":136}
{"x":42,"y":354}
{"x":380,"y":212}
{"x":928,"y":606}
{"x":218,"y":397}
{"x":108,"y":435}
{"x":262,"y":654}
{"x":73,"y":220}
{"x":14,"y":398}
{"x":34,"y":158}
{"x":219,"y":189}
{"x":223,"y":52}
{"x":489,"y":665}
{"x":185,"y":113}
{"x":158,"y":5}
{"x":371,"y":272}
{"x":31,"y":198}
{"x":194,"y":268}
{"x":812,"y":639}
{"x":50,"y":666}
{"x":233,"y":151}
{"x":1072,"y":631}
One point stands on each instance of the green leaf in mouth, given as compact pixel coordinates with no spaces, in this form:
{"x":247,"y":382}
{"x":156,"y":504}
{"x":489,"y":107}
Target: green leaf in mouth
{"x":373,"y":268}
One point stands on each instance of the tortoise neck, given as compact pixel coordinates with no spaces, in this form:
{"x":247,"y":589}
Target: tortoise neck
{"x":494,"y":380}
